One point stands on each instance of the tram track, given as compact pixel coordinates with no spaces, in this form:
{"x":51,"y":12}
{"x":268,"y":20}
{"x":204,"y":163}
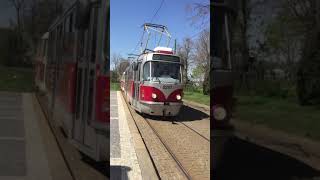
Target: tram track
{"x":170,"y":151}
{"x":156,"y":164}
{"x":189,"y":147}
{"x":195,"y":131}
{"x":190,"y":158}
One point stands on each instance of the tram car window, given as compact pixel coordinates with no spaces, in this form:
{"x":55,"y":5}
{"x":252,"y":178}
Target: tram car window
{"x":165,"y":72}
{"x":146,"y":71}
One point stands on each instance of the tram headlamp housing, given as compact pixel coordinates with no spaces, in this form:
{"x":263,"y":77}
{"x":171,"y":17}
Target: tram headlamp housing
{"x":153,"y":95}
{"x":219,"y":113}
{"x":178,"y":97}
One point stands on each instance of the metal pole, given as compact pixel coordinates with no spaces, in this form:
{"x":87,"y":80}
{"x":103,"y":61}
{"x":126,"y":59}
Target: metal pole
{"x":175,"y":46}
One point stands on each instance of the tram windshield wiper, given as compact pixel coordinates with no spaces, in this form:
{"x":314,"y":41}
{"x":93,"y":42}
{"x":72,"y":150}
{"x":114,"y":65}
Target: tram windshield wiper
{"x":156,"y":79}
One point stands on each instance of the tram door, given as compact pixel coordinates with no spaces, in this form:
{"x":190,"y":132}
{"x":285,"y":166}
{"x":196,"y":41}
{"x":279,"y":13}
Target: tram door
{"x":136,"y":77}
{"x":82,"y":133}
{"x":57,"y":66}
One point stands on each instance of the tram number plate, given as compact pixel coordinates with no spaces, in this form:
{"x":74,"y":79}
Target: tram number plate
{"x":167,"y":87}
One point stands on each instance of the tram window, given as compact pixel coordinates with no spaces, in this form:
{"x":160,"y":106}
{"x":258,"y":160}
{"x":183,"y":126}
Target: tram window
{"x":80,"y":46}
{"x":146,"y":71}
{"x":139,"y":71}
{"x":94,"y":18}
{"x":59,"y":38}
{"x":67,"y":24}
{"x":165,"y":72}
{"x":90,"y":96}
{"x":59,"y":31}
{"x":106,"y":49}
{"x":71,"y":23}
{"x":221,"y":54}
{"x":50,"y":47}
{"x":79,"y":85}
{"x":44,"y":48}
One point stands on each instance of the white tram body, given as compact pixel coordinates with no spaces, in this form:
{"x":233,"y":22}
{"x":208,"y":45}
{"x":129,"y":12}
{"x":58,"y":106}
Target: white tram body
{"x":153,"y":84}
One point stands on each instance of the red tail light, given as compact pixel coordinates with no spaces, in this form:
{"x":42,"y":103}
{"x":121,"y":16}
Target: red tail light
{"x":146,"y":94}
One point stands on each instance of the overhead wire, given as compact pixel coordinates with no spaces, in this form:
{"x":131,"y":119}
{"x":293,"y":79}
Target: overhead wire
{"x":138,"y":44}
{"x":154,"y":15}
{"x":157,"y":11}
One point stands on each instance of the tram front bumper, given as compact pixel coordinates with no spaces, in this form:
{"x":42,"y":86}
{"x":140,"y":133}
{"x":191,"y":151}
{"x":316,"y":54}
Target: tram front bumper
{"x":161,"y":109}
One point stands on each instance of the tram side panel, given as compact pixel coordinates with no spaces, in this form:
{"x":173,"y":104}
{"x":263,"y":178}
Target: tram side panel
{"x":63,"y":84}
{"x":64,"y":73}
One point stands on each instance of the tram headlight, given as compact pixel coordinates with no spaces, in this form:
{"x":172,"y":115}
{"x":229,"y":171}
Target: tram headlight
{"x":153,"y":95}
{"x":219,"y":113}
{"x":178,"y":97}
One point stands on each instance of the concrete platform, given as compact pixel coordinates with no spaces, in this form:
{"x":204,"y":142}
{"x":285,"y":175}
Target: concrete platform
{"x":27,"y":149}
{"x":123,"y":159}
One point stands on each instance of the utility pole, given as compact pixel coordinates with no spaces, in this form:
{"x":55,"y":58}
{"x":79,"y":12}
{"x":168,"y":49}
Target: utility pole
{"x":175,"y":46}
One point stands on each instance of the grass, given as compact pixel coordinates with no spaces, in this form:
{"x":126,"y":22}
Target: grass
{"x":16,"y":79}
{"x":281,"y":114}
{"x":115,"y":86}
{"x":197,"y":97}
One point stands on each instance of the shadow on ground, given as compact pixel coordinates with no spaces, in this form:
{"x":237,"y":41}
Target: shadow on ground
{"x":102,"y":167}
{"x":186,"y":114}
{"x":244,"y":160}
{"x":119,"y":172}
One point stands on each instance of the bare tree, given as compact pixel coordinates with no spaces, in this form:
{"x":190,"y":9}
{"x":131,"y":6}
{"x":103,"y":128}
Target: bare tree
{"x":202,"y":57}
{"x":200,"y":14}
{"x":185,"y":53}
{"x":122,"y":67}
{"x":119,"y":64}
{"x":116,"y":59}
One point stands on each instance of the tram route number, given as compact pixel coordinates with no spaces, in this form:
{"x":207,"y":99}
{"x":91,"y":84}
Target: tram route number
{"x":167,"y":87}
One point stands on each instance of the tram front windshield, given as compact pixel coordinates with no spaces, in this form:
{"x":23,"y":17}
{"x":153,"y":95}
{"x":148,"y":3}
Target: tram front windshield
{"x":162,"y":72}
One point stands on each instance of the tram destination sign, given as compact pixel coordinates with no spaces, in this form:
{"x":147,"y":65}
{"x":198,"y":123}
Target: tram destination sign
{"x":165,"y":58}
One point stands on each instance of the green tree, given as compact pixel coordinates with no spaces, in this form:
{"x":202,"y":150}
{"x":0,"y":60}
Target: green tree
{"x":307,"y":13}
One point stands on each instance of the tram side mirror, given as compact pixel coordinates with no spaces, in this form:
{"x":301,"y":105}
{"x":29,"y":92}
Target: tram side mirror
{"x":83,"y":15}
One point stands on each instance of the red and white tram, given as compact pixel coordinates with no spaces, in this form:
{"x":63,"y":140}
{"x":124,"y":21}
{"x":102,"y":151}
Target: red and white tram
{"x":153,"y":84}
{"x":76,"y":75}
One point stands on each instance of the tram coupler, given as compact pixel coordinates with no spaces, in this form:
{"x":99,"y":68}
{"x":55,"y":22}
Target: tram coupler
{"x":163,"y":114}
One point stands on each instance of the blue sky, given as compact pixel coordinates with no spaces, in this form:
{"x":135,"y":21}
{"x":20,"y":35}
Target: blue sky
{"x":127,"y":16}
